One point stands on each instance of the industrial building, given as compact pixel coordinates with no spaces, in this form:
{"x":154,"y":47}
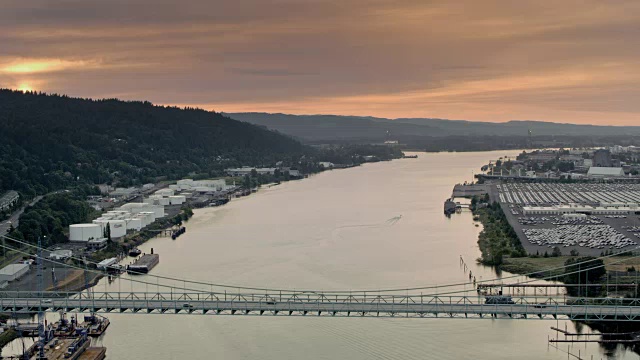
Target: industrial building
{"x":135,"y":208}
{"x":166,"y":200}
{"x":248,"y":170}
{"x":13,"y":272}
{"x":104,"y":264}
{"x":9,"y":199}
{"x":60,"y":254}
{"x":131,"y":216}
{"x":97,"y":244}
{"x":579,"y":209}
{"x":185,"y":186}
{"x":596,"y":171}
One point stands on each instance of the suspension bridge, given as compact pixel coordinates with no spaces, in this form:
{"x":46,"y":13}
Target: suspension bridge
{"x":323,"y":304}
{"x":191,"y":298}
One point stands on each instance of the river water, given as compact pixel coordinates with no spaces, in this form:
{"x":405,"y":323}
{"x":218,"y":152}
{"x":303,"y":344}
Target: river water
{"x":334,"y":231}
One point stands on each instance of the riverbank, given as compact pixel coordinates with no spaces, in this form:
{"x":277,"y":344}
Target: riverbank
{"x":497,"y":239}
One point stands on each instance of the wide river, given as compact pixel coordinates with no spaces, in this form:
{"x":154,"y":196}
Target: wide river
{"x":335,"y":231}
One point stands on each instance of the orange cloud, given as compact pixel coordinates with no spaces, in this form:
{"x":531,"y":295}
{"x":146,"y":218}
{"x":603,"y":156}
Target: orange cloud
{"x":35,"y":66}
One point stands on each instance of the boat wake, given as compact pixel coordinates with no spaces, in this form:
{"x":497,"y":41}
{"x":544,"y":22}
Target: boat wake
{"x":390,"y":222}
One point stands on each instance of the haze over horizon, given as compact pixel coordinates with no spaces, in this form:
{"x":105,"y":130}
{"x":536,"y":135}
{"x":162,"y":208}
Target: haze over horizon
{"x":495,"y":60}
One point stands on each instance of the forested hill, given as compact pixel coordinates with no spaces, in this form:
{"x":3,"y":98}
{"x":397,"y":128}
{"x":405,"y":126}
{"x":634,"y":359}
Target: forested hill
{"x":49,"y":142}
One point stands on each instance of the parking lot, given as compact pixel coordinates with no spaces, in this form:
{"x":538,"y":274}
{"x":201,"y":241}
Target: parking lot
{"x":588,"y":235}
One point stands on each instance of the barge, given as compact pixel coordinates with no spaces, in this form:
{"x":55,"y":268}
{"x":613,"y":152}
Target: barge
{"x":144,"y":264}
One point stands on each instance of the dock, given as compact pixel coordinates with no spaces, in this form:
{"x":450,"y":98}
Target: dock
{"x":469,"y":190}
{"x":144,"y":264}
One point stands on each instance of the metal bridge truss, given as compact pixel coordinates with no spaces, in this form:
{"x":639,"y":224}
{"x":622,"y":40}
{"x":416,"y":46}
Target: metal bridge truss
{"x":323,"y":304}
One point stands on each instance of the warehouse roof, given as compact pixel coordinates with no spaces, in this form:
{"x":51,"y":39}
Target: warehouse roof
{"x":13,"y":269}
{"x":605,"y":171}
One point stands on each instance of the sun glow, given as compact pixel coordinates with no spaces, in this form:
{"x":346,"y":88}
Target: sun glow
{"x":25,"y":87}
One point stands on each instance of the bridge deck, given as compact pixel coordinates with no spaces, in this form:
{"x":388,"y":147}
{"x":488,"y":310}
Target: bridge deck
{"x":526,"y":307}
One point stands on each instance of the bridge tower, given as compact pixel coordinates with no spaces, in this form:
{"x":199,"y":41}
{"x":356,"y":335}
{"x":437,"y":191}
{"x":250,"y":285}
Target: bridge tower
{"x":41,"y":316}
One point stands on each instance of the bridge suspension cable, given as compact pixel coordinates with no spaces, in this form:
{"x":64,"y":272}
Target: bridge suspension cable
{"x":235,"y":287}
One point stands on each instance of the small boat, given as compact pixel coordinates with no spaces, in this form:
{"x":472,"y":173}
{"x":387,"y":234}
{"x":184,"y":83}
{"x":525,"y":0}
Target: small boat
{"x":94,"y":325}
{"x":450,"y":206}
{"x":135,"y":252}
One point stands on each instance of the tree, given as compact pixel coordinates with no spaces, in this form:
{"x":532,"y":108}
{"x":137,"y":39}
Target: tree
{"x":556,"y":252}
{"x":107,"y":232}
{"x":584,"y":270}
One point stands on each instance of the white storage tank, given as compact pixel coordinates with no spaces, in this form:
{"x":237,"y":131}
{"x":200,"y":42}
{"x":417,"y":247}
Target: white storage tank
{"x":118,"y":227}
{"x":177,"y":199}
{"x":84,"y":232}
{"x":165,"y":192}
{"x":134,"y":223}
{"x":158,"y":211}
{"x":115,"y":214}
{"x":149,"y":216}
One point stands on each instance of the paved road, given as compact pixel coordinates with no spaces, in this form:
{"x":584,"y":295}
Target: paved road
{"x":15,"y":217}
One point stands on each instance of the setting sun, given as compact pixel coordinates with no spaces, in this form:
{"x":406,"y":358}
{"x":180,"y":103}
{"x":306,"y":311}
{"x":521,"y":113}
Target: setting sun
{"x":25,"y":87}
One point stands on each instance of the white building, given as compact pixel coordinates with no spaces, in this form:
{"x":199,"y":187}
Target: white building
{"x":136,"y":208}
{"x":243,"y":171}
{"x":9,"y":199}
{"x":164,"y":192}
{"x":60,"y":254}
{"x":600,"y":172}
{"x":187,"y":184}
{"x":13,"y":272}
{"x":177,"y":199}
{"x":104,"y":264}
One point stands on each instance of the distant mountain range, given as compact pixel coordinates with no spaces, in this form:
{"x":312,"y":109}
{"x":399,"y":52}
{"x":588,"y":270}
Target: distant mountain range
{"x":319,"y":128}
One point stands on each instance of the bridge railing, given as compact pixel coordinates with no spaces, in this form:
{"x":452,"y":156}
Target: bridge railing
{"x":312,"y":297}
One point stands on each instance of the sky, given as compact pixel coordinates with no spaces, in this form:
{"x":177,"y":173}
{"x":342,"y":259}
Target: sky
{"x":575,"y":61}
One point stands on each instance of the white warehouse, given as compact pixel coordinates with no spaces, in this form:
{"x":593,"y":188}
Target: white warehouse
{"x":13,"y":272}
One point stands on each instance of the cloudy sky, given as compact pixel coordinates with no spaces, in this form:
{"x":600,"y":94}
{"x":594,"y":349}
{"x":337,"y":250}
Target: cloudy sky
{"x":492,"y":60}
